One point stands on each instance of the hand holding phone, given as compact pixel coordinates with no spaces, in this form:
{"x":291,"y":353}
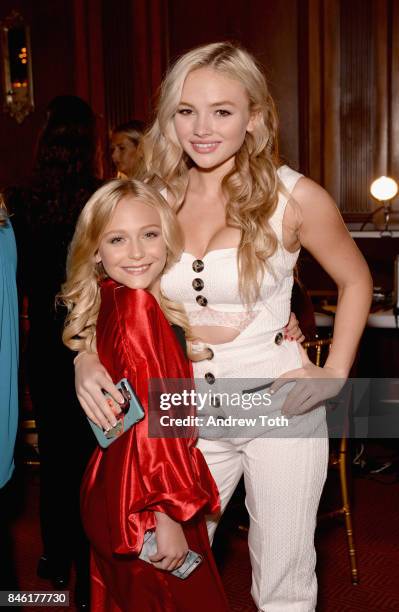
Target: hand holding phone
{"x":191,"y":562}
{"x":131,"y":413}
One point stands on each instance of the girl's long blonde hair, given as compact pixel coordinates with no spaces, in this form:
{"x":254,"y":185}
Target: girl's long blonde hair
{"x":81,"y":292}
{"x":252,"y":186}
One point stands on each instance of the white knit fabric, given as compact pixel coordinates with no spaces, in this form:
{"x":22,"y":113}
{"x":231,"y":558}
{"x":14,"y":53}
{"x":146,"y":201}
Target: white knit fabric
{"x":220,"y":276}
{"x":208,"y":316}
{"x":283,"y":477}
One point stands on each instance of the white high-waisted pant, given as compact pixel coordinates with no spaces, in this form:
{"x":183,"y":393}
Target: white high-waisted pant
{"x":284,"y":478}
{"x":283,"y":483}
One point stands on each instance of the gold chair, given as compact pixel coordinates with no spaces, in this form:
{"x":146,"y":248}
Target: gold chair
{"x":27,"y":437}
{"x":317,"y":351}
{"x":30,"y":450}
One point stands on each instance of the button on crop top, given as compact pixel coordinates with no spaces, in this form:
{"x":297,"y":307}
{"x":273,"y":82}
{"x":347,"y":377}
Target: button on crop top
{"x":208,"y":287}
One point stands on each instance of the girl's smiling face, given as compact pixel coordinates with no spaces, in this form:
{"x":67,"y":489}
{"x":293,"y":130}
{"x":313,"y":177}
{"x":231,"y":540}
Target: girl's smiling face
{"x":212,"y":118}
{"x":132,"y":248}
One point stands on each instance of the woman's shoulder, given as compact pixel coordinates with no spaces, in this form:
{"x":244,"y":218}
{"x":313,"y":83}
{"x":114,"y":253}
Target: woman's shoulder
{"x":310,"y":197}
{"x":300,"y":189}
{"x":303,"y":193}
{"x":288,"y":177}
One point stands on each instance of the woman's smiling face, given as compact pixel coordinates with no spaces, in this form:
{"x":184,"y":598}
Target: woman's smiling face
{"x":212,"y":118}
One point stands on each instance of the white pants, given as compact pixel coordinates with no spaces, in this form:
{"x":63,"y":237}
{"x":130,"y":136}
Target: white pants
{"x":284,"y":479}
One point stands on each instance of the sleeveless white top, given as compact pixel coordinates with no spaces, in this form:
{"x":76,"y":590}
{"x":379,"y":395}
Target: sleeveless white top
{"x":258,"y":353}
{"x":208,"y":288}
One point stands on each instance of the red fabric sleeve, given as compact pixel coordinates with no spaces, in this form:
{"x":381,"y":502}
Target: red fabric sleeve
{"x":138,"y":474}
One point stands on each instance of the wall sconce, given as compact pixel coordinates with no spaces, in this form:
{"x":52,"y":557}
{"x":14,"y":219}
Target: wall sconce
{"x":16,"y":67}
{"x":383,"y":189}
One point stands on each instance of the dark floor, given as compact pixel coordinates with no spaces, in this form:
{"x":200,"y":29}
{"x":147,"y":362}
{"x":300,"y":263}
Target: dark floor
{"x":376,"y":520}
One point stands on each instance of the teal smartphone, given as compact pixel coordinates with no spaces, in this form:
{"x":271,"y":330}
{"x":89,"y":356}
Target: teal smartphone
{"x":131,"y":412}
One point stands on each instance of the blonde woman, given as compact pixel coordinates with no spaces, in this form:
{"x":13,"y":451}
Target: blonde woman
{"x":125,"y":140}
{"x":244,"y":216}
{"x":126,"y":236}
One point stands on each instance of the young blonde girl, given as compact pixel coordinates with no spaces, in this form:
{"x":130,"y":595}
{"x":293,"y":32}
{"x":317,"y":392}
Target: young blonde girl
{"x":125,"y":238}
{"x":81,"y":292}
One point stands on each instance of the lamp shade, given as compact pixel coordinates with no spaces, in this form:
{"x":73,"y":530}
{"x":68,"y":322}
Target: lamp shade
{"x":384,"y":188}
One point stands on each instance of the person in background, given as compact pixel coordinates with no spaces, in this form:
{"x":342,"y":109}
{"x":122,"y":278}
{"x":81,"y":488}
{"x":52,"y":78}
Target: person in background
{"x":9,"y":348}
{"x":45,"y":213}
{"x":125,"y":140}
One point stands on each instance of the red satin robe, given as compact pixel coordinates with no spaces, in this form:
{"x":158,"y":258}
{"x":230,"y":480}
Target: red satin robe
{"x":137,"y":475}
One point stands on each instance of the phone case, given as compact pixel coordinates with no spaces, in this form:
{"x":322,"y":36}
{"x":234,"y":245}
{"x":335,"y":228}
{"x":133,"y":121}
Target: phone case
{"x":132,"y":412}
{"x":191,"y":561}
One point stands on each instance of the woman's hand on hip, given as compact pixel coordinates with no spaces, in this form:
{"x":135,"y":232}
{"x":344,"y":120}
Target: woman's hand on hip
{"x":313,"y":385}
{"x":172,"y":547}
{"x":90,"y":379}
{"x":292,"y":331}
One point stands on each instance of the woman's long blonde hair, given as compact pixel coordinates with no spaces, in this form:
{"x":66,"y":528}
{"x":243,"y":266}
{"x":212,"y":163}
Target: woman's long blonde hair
{"x":252,"y":186}
{"x":81,"y":292}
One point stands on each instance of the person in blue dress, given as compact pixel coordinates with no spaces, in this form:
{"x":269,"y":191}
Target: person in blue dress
{"x":8,"y":393}
{"x":8,"y":347}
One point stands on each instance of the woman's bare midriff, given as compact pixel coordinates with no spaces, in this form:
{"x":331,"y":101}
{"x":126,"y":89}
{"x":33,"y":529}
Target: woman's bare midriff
{"x":212,"y":334}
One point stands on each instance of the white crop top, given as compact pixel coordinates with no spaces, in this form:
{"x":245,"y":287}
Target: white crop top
{"x":208,"y":287}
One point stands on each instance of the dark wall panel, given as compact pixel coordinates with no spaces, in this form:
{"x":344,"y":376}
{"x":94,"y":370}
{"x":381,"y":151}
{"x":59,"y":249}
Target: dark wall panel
{"x":53,"y":74}
{"x":269,"y":29}
{"x":118,"y":65}
{"x":357,"y":105}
